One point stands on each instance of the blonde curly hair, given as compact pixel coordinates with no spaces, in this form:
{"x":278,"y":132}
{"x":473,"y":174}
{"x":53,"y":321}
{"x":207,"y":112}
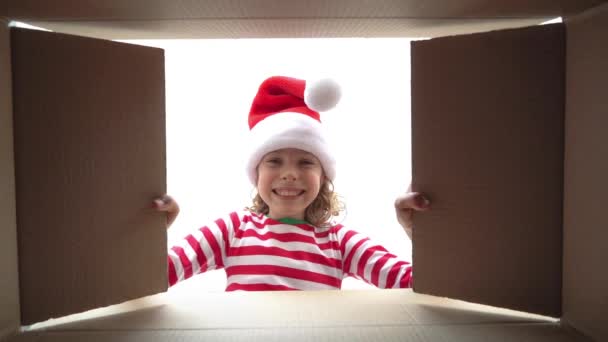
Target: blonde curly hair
{"x":318,"y":213}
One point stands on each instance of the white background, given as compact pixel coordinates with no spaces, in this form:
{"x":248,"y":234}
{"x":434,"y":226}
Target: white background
{"x":210,"y":85}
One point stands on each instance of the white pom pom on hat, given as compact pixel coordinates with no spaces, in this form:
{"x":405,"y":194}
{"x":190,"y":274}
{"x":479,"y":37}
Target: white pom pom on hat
{"x":285,"y":114}
{"x":322,"y":95}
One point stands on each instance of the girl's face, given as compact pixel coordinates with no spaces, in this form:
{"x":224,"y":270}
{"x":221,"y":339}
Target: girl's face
{"x":289,"y":180}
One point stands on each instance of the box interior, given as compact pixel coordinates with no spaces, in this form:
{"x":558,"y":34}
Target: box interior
{"x":583,"y":299}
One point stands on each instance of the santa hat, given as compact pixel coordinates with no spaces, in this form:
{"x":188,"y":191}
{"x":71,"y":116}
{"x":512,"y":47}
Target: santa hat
{"x":285,"y":114}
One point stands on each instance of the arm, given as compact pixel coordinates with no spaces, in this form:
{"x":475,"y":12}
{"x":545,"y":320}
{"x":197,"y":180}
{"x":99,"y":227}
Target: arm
{"x":365,"y":260}
{"x":202,"y":250}
{"x":372,"y":263}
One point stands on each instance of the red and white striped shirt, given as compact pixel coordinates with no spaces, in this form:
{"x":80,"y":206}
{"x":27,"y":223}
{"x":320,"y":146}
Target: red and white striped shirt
{"x":259,"y":253}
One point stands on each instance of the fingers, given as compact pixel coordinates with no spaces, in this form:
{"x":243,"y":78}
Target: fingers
{"x":159,"y":204}
{"x":164,"y":203}
{"x":167,"y":204}
{"x":413,"y":200}
{"x":406,"y":205}
{"x":404,"y":217}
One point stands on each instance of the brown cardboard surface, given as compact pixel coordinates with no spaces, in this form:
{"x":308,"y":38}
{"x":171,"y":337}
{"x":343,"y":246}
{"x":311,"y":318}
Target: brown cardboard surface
{"x":157,"y":19}
{"x":584,"y":296}
{"x":89,"y":158}
{"x":487,"y":141}
{"x":205,"y":9}
{"x":282,"y":28}
{"x":472,"y":333}
{"x":241,"y":310}
{"x":362,"y":315}
{"x":9,"y":286}
{"x":585,"y":291}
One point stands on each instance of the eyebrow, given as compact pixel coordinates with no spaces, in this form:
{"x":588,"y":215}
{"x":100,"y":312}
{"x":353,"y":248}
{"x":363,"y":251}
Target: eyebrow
{"x":300,"y":155}
{"x":311,"y":158}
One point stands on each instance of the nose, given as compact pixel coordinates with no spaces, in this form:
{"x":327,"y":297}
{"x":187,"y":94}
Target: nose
{"x":289,"y":174}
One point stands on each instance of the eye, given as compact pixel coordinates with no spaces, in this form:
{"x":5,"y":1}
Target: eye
{"x":307,"y":162}
{"x":273,"y":161}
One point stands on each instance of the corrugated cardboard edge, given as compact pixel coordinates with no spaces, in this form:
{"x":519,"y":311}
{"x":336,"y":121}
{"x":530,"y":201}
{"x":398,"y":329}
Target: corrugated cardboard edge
{"x":9,"y":281}
{"x":585,"y":290}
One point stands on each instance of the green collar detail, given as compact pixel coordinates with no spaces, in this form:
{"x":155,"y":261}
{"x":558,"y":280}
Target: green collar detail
{"x":289,"y":220}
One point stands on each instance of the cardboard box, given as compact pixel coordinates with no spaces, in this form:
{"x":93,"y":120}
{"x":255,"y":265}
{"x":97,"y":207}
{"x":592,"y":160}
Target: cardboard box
{"x":507,"y":140}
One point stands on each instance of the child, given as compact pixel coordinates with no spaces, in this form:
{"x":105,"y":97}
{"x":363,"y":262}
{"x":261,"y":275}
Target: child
{"x":286,"y":239}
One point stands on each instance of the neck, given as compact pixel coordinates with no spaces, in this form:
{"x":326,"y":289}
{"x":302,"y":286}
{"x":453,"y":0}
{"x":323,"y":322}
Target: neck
{"x":278,"y":216}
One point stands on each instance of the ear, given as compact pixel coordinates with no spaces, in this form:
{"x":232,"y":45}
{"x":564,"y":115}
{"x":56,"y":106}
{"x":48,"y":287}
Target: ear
{"x":323,"y":177}
{"x":326,"y":180}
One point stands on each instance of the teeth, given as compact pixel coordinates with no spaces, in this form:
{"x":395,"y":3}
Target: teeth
{"x":288,"y":192}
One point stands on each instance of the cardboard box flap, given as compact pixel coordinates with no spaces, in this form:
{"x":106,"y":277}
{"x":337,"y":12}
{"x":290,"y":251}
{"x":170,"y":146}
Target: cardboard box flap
{"x":9,"y":287}
{"x":349,"y":315}
{"x":185,"y":19}
{"x":89,"y":133}
{"x":121,"y":10}
{"x":410,"y":333}
{"x":279,"y":19}
{"x":585,"y":292}
{"x":487,"y":140}
{"x":175,"y":310}
{"x":232,"y":28}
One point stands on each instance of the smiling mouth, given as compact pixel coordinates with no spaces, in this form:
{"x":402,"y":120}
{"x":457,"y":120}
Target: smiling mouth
{"x":287,"y":193}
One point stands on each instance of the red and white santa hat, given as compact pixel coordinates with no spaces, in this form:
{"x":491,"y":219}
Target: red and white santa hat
{"x":285,"y":114}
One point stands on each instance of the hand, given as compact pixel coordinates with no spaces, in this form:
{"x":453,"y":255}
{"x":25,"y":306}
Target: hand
{"x":406,"y":204}
{"x":167,"y":204}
